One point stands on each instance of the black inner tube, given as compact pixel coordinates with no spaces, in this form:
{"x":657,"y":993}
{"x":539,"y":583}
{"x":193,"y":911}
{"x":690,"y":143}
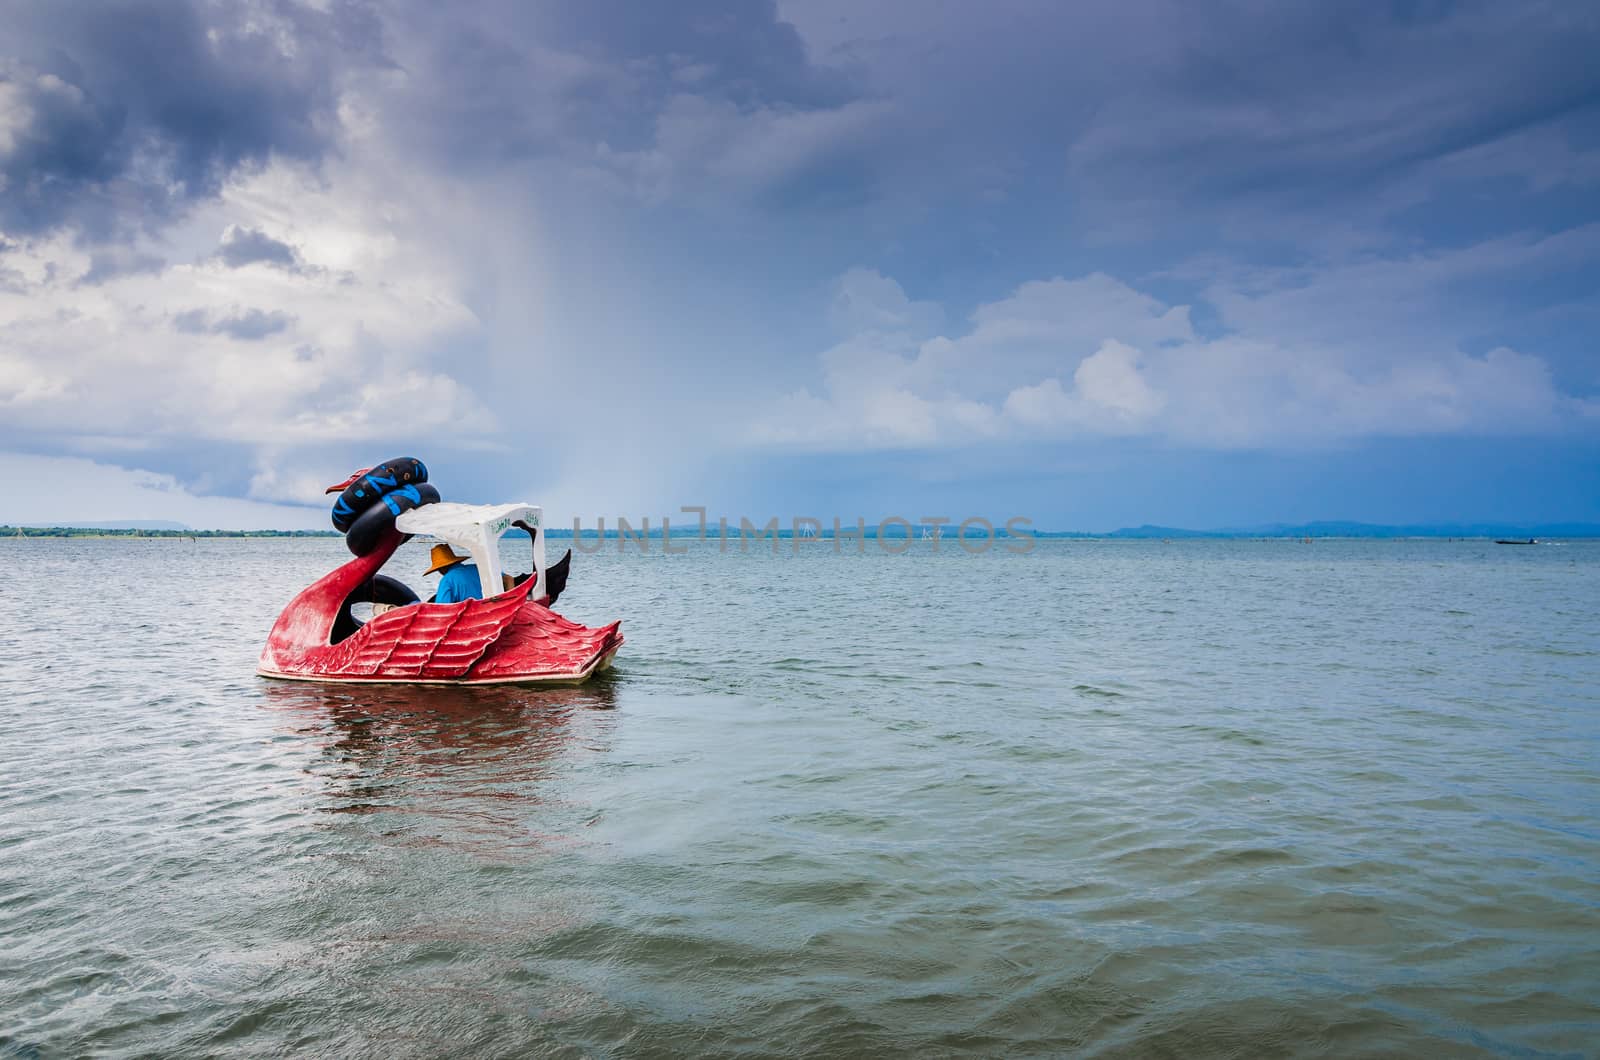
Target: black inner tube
{"x":379,"y":589}
{"x":368,"y":530}
{"x":367,"y":490}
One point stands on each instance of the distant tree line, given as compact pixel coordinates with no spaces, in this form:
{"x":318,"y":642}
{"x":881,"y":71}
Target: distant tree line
{"x":89,"y":531}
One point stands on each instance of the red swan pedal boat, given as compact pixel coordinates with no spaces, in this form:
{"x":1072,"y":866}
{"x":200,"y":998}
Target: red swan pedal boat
{"x":508,"y":637}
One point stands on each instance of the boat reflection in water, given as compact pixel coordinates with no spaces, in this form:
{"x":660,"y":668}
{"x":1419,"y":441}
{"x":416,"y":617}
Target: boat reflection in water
{"x":487,"y":771}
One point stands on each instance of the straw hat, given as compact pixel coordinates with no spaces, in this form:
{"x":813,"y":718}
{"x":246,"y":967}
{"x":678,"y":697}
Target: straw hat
{"x":442,"y":557}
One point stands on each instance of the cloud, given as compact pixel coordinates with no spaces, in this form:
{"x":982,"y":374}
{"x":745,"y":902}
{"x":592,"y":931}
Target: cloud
{"x":867,"y":300}
{"x":123,"y":113}
{"x":60,"y":490}
{"x":348,"y":349}
{"x":1261,"y":114}
{"x":707,"y":103}
{"x":707,"y":150}
{"x":279,"y":478}
{"x":139,"y":107}
{"x":1096,"y":357}
{"x":245,"y":325}
{"x":249,"y":246}
{"x":1042,"y":315}
{"x":108,"y":263}
{"x":744,"y":52}
{"x":1110,"y":394}
{"x":1160,"y":123}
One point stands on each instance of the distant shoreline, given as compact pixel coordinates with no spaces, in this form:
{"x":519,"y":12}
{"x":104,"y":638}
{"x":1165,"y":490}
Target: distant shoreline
{"x":100,"y":531}
{"x":1293,"y":534}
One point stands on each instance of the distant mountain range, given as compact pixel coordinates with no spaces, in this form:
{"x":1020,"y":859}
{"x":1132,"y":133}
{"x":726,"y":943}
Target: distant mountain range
{"x":1338,"y":528}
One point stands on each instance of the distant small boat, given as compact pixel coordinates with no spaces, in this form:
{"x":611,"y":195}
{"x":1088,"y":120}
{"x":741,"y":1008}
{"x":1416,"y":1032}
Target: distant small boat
{"x":1530,"y":541}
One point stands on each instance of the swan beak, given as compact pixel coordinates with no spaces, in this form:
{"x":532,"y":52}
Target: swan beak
{"x":341,"y":487}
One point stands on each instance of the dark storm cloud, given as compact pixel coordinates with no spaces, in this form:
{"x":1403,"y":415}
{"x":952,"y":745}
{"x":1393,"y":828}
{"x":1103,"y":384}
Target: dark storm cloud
{"x":1182,"y":110}
{"x":504,"y":79}
{"x":1328,"y":93}
{"x":248,"y":246}
{"x":246,"y":325}
{"x":1310,"y":100}
{"x":740,"y":51}
{"x":119,"y":112}
{"x":122,"y":111}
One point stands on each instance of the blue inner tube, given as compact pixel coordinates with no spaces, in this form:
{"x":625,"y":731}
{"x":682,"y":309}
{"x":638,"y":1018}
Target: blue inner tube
{"x":370,"y":488}
{"x":370,"y":526}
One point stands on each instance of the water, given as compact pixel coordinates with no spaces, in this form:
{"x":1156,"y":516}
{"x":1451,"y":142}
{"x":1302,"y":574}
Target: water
{"x":1197,"y":799}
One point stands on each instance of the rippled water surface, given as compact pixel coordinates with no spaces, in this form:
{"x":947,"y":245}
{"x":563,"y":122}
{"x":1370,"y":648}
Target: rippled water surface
{"x":1196,"y":799}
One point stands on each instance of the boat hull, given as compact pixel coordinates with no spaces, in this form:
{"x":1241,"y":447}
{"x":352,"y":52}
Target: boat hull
{"x":505,"y":639}
{"x":599,"y":665}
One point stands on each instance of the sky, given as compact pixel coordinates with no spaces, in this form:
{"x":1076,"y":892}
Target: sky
{"x":1094,"y":264}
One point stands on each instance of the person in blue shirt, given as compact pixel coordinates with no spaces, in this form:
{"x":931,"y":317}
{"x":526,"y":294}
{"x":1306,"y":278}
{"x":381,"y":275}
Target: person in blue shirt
{"x":460,"y":580}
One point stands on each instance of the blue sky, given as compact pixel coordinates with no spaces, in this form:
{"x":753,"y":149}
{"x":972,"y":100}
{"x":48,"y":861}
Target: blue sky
{"x":1097,"y":264}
